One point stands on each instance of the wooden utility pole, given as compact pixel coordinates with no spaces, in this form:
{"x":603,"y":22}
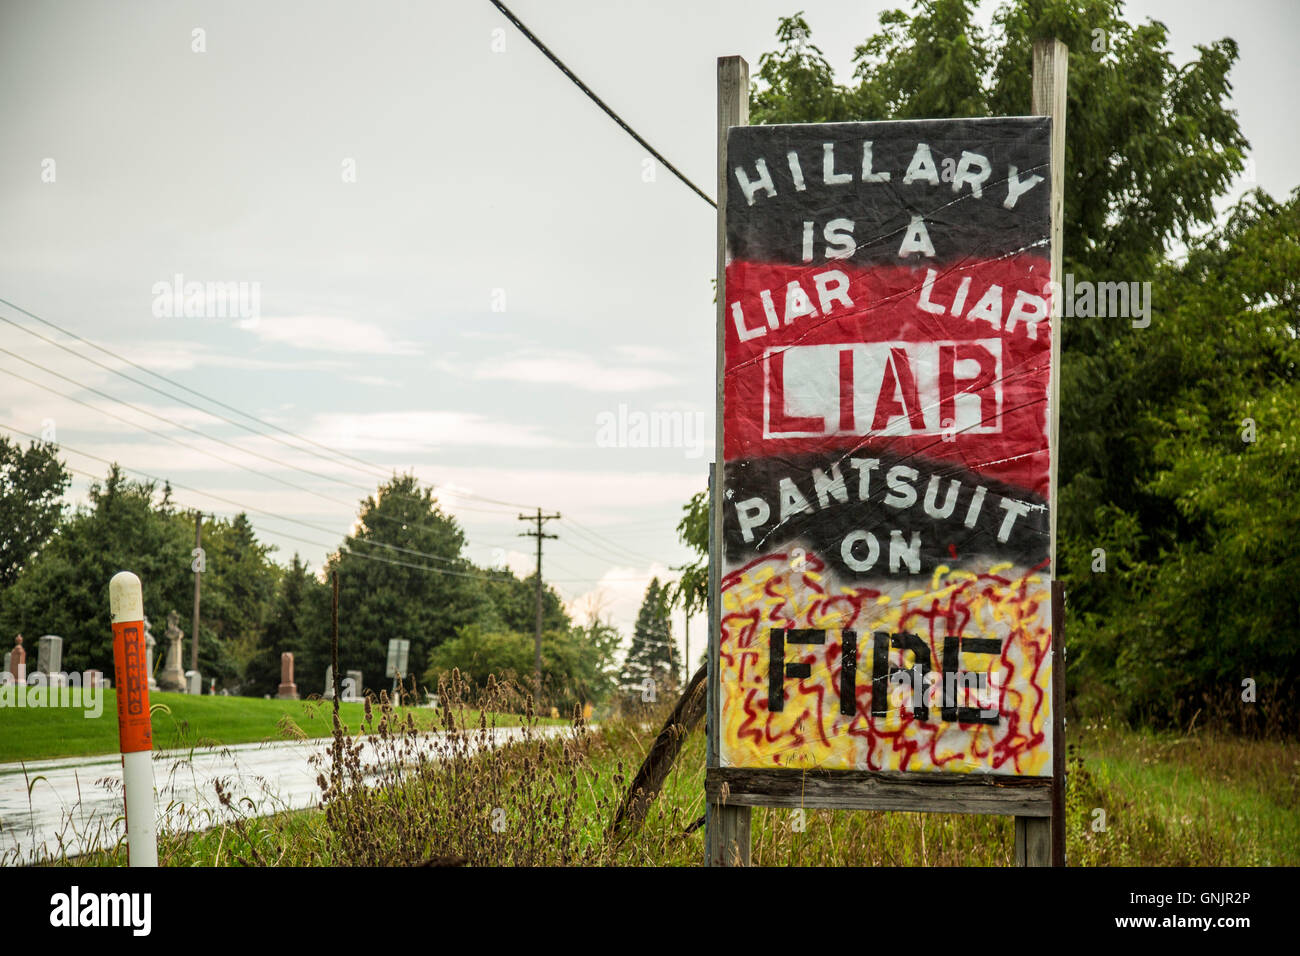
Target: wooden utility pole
{"x":1034,"y":835}
{"x":334,"y":643}
{"x":726,"y":826}
{"x":539,"y":534}
{"x":199,"y":565}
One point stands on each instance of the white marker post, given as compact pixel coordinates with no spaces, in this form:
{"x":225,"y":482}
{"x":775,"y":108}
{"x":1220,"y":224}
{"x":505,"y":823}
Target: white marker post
{"x":135,"y":729}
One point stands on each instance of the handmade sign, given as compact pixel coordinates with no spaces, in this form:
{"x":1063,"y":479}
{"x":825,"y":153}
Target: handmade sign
{"x":886,"y":588}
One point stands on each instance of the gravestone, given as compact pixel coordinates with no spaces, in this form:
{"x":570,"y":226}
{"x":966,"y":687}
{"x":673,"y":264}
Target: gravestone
{"x":173,"y":676}
{"x":193,"y":682}
{"x":351,"y":685}
{"x":94,"y":678}
{"x":288,"y":689}
{"x":49,"y":655}
{"x":150,"y":642}
{"x":18,"y":661}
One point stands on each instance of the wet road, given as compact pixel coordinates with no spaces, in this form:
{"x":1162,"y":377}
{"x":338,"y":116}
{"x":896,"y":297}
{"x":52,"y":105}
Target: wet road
{"x":76,"y":802}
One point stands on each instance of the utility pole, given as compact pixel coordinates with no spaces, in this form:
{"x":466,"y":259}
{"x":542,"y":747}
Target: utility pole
{"x":199,"y":566}
{"x":539,"y":534}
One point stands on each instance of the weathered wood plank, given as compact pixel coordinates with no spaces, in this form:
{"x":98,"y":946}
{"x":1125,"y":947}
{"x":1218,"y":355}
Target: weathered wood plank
{"x":727,"y":836}
{"x":1058,"y":724}
{"x":1049,"y":85}
{"x":1033,"y":841}
{"x":1051,"y":58}
{"x":880,"y":790}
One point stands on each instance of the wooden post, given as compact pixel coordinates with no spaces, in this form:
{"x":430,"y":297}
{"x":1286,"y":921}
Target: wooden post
{"x":727,"y":827}
{"x":334,"y":642}
{"x":1050,"y":60}
{"x":1033,"y":841}
{"x":199,"y":563}
{"x":1034,"y":834}
{"x":1058,"y":724}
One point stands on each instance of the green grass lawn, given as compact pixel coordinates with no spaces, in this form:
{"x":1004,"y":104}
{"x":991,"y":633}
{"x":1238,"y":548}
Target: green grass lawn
{"x":38,"y":733}
{"x":1216,"y":798}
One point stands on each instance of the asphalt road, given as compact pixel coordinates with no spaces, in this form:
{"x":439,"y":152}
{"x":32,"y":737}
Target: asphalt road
{"x":76,"y":802}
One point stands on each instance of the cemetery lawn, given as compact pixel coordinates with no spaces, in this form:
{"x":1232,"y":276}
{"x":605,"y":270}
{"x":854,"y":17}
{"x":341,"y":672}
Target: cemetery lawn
{"x":28,"y":733}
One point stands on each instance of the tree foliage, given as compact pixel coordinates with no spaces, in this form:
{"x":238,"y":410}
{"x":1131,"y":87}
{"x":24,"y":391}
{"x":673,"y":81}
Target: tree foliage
{"x":32,"y":483}
{"x":402,"y":573}
{"x":653,"y":653}
{"x":576,"y":662}
{"x":128,"y":525}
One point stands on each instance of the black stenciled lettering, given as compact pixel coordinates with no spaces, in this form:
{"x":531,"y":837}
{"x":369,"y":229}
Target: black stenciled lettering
{"x":775,"y":669}
{"x":848,"y":673}
{"x":778,"y":670}
{"x":921,"y":655}
{"x":879,"y":673}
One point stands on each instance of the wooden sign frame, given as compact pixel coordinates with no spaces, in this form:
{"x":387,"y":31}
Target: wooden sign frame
{"x":1036,"y":803}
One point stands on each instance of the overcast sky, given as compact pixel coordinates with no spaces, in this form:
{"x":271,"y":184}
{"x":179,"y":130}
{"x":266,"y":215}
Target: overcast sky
{"x":461,"y":263}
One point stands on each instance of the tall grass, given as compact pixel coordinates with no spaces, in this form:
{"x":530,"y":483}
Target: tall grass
{"x":480,"y":794}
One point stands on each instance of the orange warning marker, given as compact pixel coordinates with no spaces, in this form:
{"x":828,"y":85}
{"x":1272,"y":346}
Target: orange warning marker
{"x":135,"y":729}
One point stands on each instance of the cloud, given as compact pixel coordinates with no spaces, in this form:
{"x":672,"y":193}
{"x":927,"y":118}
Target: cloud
{"x":616,"y":597}
{"x":327,"y":333}
{"x":646,"y":353}
{"x":374,"y":381}
{"x":573,"y":369}
{"x":416,"y":433}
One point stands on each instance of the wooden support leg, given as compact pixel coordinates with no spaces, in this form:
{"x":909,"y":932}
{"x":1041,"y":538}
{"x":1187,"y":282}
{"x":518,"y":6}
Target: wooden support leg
{"x":728,"y":835}
{"x":1033,"y":841}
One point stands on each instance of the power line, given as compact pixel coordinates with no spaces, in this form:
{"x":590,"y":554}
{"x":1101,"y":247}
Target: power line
{"x":205,"y":397}
{"x":177,"y":441}
{"x":195,"y":431}
{"x":607,"y":543}
{"x":599,"y":102}
{"x":159,"y":434}
{"x":250,"y":508}
{"x":176,"y":424}
{"x":245,"y":507}
{"x":592,"y":554}
{"x":612,"y":548}
{"x":183,"y":401}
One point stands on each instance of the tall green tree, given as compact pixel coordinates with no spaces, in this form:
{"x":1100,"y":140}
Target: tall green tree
{"x":388,"y":588}
{"x":576,"y":662}
{"x":32,"y":483}
{"x":238,"y":590}
{"x":510,"y":603}
{"x":1191,"y":606}
{"x":298,"y":623}
{"x":128,"y":526}
{"x":653,"y":653}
